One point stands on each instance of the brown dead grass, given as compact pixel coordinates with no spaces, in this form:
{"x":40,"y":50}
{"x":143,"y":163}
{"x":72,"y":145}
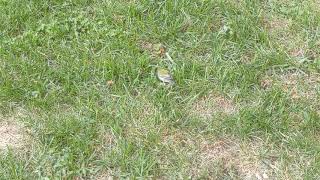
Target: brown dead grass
{"x":104,"y":176}
{"x":141,"y":112}
{"x":242,"y":156}
{"x":298,"y":85}
{"x":223,"y":154}
{"x":218,"y":158}
{"x":12,"y":134}
{"x":290,"y":41}
{"x":154,"y":49}
{"x":107,"y":139}
{"x":213,"y":104}
{"x":276,"y":24}
{"x":266,"y":83}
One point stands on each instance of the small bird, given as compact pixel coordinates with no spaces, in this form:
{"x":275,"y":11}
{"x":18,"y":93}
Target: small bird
{"x":164,"y":76}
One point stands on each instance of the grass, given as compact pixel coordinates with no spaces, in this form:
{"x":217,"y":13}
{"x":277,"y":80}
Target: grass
{"x":79,"y":77}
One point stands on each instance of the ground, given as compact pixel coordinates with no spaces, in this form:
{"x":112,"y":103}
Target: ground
{"x":80,"y":99}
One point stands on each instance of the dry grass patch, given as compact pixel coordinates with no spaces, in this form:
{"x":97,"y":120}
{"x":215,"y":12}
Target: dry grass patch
{"x":218,"y":158}
{"x":243,"y":158}
{"x":291,"y":41}
{"x":256,"y":159}
{"x":107,"y":175}
{"x":12,"y":134}
{"x":230,"y":157}
{"x":300,"y":85}
{"x":106,"y":139}
{"x":212,"y":104}
{"x":140,"y":119}
{"x":286,"y":38}
{"x":277,"y":24}
{"x":297,"y":84}
{"x":154,"y":49}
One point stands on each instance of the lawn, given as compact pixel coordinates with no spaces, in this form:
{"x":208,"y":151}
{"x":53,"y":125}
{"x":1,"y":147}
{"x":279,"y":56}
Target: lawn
{"x":79,"y":98}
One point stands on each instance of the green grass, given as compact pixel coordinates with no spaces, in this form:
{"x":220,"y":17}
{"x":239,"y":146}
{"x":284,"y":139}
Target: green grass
{"x":56,"y":58}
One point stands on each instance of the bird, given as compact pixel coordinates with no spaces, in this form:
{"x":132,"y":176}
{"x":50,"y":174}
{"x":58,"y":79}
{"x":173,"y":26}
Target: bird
{"x":164,"y":76}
